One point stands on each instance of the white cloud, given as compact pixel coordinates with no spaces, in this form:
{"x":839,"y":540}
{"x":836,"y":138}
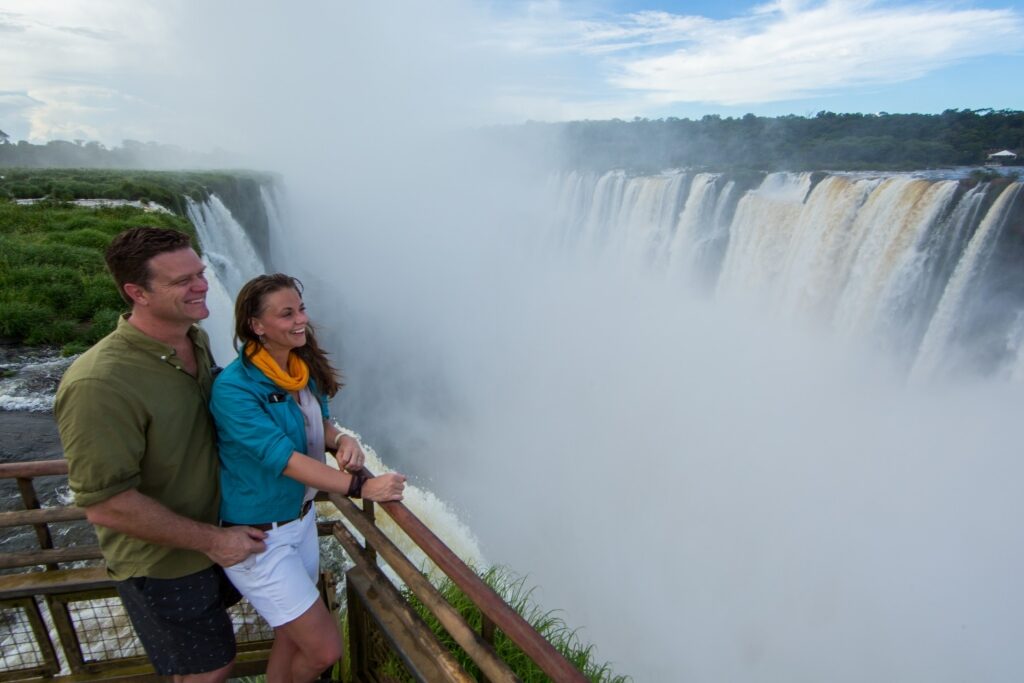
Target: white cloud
{"x":783,"y":50}
{"x":72,"y":65}
{"x":546,"y":30}
{"x":83,"y":112}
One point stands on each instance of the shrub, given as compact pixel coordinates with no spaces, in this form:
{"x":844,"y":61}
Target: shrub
{"x":73,"y":348}
{"x":103,"y":323}
{"x":99,"y":292}
{"x":52,"y":332}
{"x":19,"y":318}
{"x":87,"y":237}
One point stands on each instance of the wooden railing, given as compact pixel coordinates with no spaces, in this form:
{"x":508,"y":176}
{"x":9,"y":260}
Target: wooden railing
{"x":380,"y":619}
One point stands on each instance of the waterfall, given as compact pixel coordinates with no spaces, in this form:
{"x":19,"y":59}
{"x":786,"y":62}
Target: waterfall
{"x":270,"y":196}
{"x":231,"y":261}
{"x":866,"y":256}
{"x":940,"y":338}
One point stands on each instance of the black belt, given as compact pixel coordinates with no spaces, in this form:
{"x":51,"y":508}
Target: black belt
{"x":267,"y":526}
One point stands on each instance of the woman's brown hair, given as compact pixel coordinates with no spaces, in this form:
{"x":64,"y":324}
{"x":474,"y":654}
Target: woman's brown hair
{"x":251,"y":304}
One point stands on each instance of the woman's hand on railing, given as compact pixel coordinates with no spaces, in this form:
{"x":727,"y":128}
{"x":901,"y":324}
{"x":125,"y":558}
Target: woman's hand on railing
{"x":384,"y":487}
{"x":349,"y":455}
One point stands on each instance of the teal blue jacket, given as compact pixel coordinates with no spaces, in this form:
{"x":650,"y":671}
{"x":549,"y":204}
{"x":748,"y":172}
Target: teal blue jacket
{"x":259,"y":426}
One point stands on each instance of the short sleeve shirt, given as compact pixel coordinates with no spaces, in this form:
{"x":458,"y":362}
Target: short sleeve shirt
{"x":131,"y":417}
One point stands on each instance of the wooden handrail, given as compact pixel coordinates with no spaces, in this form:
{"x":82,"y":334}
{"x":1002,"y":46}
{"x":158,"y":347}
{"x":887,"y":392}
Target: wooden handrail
{"x":493,"y":608}
{"x":490,"y":603}
{"x":40,"y":516}
{"x":35,"y":468}
{"x":48,"y":556}
{"x":469,"y":640}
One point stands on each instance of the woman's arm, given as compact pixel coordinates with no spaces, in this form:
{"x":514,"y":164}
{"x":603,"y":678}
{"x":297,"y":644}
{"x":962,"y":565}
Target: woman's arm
{"x":313,"y":473}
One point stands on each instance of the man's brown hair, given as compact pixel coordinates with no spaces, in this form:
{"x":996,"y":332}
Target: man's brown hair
{"x":128,"y":255}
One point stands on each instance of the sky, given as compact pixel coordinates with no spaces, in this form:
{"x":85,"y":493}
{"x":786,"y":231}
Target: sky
{"x":110,"y":70}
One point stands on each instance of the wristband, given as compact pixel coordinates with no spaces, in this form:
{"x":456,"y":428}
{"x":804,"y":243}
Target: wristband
{"x":355,"y":487}
{"x":337,"y":439}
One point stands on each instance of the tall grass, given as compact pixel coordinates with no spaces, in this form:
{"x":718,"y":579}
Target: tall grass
{"x":548,"y":623}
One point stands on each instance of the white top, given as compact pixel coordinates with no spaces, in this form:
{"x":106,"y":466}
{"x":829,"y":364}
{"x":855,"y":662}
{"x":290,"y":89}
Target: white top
{"x":314,"y":420}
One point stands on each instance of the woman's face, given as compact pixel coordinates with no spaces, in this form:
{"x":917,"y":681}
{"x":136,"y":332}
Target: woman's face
{"x":283,"y":321}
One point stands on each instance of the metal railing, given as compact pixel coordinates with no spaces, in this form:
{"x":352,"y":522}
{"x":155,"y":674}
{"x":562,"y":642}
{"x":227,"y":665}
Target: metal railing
{"x":381,"y":622}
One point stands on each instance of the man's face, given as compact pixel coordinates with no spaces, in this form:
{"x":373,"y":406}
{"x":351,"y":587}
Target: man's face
{"x":177,"y":287}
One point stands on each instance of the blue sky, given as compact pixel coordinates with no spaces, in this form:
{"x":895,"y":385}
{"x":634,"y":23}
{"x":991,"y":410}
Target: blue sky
{"x":111,"y":69}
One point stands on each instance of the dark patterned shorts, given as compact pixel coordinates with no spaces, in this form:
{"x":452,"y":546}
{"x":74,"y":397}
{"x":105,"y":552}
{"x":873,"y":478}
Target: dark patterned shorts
{"x":183,"y":623}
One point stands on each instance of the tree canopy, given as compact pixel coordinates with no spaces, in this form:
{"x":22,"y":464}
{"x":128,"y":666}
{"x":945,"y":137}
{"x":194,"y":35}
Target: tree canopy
{"x":826,"y":141}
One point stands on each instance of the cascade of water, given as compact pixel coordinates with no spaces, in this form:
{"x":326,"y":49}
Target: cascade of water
{"x":937,"y":347}
{"x":817,"y":264}
{"x":898,"y":214}
{"x":602,"y":209}
{"x":231,"y":260}
{"x":698,"y":226}
{"x":272,"y":203}
{"x":572,"y":196}
{"x":761,"y":234}
{"x":646,"y":216}
{"x":868,"y":255}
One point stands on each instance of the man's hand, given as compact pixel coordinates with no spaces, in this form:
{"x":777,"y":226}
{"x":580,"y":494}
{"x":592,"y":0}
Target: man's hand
{"x":234,"y":544}
{"x":138,"y":515}
{"x":384,"y":487}
{"x":350,"y":456}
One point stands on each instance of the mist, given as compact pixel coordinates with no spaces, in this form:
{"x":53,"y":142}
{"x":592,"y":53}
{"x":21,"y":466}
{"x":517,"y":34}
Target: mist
{"x":708,"y":493}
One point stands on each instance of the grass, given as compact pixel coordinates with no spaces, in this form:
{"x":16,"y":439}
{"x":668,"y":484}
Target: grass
{"x":54,"y":286}
{"x":548,"y":623}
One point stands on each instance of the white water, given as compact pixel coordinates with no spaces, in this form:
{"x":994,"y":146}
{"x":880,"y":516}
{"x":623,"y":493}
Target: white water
{"x":857,"y":254}
{"x":936,"y":348}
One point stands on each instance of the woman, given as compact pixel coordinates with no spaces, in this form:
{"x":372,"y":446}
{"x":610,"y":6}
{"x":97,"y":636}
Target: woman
{"x":270,"y":406}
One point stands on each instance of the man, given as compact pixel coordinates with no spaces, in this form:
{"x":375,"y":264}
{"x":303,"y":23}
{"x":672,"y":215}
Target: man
{"x":142,"y":458}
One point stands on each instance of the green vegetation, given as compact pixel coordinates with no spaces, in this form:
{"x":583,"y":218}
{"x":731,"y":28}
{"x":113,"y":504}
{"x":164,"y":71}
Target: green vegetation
{"x":826,"y":141}
{"x":167,"y":188}
{"x":513,"y":590}
{"x":54,"y":287}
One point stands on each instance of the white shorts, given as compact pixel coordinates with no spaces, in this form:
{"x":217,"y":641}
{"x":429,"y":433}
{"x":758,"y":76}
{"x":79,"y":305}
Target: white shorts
{"x":281,"y":581}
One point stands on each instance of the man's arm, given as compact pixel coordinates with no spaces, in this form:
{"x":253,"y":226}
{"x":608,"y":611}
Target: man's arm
{"x":138,"y":515}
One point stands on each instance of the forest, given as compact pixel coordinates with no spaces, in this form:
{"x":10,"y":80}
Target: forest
{"x":826,"y":141}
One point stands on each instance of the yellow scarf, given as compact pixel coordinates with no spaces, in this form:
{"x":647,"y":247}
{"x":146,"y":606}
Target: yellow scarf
{"x":294,"y":380}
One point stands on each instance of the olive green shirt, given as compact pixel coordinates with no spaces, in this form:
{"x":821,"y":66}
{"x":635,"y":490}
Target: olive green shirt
{"x":131,"y":417}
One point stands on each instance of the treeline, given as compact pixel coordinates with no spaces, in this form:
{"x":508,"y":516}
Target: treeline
{"x":826,"y":141}
{"x":83,"y":154}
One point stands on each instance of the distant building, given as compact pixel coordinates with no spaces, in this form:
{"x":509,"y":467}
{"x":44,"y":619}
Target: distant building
{"x":998,"y":158}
